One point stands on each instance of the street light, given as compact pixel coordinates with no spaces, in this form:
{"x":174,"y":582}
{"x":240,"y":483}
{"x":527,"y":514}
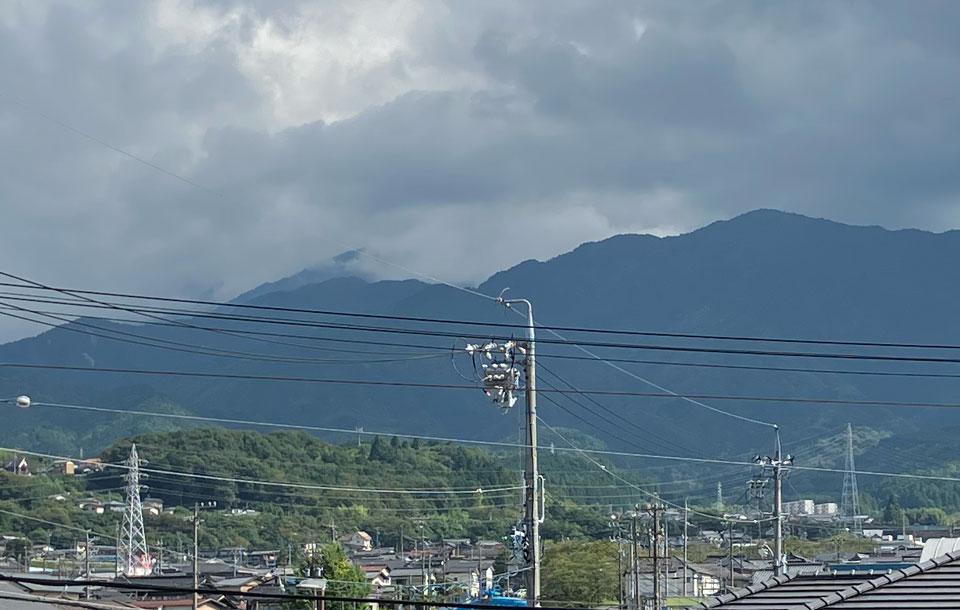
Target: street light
{"x":22,"y":401}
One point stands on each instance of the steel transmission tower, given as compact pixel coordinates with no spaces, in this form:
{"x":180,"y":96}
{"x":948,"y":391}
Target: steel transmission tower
{"x":134,"y":558}
{"x":850,"y":499}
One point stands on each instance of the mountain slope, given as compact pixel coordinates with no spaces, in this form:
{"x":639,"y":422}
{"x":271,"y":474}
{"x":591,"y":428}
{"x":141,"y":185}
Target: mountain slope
{"x":765,"y":273}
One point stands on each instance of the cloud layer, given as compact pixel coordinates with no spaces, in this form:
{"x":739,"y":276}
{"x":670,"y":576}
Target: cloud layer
{"x":456,"y":138}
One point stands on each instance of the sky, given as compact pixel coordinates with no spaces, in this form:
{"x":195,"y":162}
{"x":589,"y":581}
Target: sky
{"x":200,"y":148}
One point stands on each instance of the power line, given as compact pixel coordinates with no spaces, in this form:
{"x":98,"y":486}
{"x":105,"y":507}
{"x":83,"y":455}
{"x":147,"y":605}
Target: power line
{"x":129,"y":310}
{"x":505,"y":444}
{"x":36,"y":111}
{"x":446,"y":350}
{"x":656,"y":439}
{"x":578,"y":343}
{"x":200,"y":350}
{"x":53,"y":523}
{"x":591,"y":330}
{"x":448,"y":386}
{"x":194,"y":475}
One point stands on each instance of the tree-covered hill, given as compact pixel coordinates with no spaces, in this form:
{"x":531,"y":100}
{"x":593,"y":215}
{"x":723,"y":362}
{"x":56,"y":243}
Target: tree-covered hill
{"x":385,"y":486}
{"x":765,"y":273}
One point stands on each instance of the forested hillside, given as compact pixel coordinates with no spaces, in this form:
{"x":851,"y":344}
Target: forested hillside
{"x":765,"y":273}
{"x":384,"y":486}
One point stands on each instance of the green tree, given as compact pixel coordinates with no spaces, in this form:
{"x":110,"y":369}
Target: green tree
{"x":580,"y":572}
{"x":382,"y":451}
{"x":344,"y":578}
{"x":892,"y":512}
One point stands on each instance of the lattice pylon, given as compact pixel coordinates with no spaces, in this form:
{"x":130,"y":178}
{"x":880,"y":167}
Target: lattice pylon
{"x":135,"y":559}
{"x":850,"y":498}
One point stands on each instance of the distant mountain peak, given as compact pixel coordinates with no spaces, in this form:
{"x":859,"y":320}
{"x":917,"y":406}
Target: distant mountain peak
{"x":341,"y":265}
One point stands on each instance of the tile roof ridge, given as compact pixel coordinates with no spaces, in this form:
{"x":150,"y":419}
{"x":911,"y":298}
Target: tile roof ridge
{"x":745,"y":591}
{"x":881,"y":581}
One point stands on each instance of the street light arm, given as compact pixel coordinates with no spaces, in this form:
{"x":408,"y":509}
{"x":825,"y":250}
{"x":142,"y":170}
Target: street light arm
{"x":510,"y":302}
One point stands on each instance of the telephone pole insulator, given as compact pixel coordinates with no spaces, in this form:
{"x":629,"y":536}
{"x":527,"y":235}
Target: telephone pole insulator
{"x":777,"y":464}
{"x":501,"y":367}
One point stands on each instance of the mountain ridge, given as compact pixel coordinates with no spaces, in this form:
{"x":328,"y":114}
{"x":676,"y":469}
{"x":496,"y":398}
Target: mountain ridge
{"x":765,"y":273}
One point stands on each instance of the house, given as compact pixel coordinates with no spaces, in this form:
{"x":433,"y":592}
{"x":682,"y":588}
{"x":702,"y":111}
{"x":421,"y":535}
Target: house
{"x":115,"y":506}
{"x":242,"y":584}
{"x":91,"y":505}
{"x":204,"y":603}
{"x":69,"y":592}
{"x":18,"y":466}
{"x":87,"y":465}
{"x":358,"y":541}
{"x":933,"y":583}
{"x":263,"y":559}
{"x":378,"y":575}
{"x":473,"y":576}
{"x":67,"y":467}
{"x":152,"y":506}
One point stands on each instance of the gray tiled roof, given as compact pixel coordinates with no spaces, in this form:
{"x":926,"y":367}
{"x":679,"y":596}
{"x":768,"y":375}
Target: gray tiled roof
{"x":930,"y":585}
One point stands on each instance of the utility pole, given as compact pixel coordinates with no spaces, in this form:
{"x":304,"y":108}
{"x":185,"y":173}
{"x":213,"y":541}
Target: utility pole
{"x":666,"y":558}
{"x":116,"y":554}
{"x":196,"y":554}
{"x":618,"y":531}
{"x":500,"y":382}
{"x":635,"y":559}
{"x":686,"y":511}
{"x":730,"y":552}
{"x":533,"y":514}
{"x":423,"y":563}
{"x":160,"y":557}
{"x":654,"y":510}
{"x":86,"y":564}
{"x":620,"y":570}
{"x":777,"y":463}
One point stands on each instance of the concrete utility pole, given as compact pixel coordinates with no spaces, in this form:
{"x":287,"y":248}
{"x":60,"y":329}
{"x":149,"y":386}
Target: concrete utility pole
{"x":86,"y":564}
{"x":730,"y":552}
{"x":532,"y":472}
{"x":666,"y":558}
{"x":635,"y":559}
{"x":686,"y":511}
{"x":116,"y":554}
{"x":777,"y":463}
{"x":500,"y":382}
{"x":196,"y":554}
{"x":654,"y":510}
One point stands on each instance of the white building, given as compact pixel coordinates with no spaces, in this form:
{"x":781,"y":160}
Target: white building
{"x":827,"y":508}
{"x":799,"y":507}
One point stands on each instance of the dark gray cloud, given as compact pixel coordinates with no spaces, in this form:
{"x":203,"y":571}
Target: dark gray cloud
{"x":421,"y":129}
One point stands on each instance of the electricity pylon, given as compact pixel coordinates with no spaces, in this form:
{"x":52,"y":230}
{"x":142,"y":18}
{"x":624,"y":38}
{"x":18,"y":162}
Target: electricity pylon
{"x":850,"y":499}
{"x":135,"y":559}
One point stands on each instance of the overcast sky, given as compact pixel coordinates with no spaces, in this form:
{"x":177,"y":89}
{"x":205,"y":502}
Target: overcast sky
{"x":456,"y":138}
